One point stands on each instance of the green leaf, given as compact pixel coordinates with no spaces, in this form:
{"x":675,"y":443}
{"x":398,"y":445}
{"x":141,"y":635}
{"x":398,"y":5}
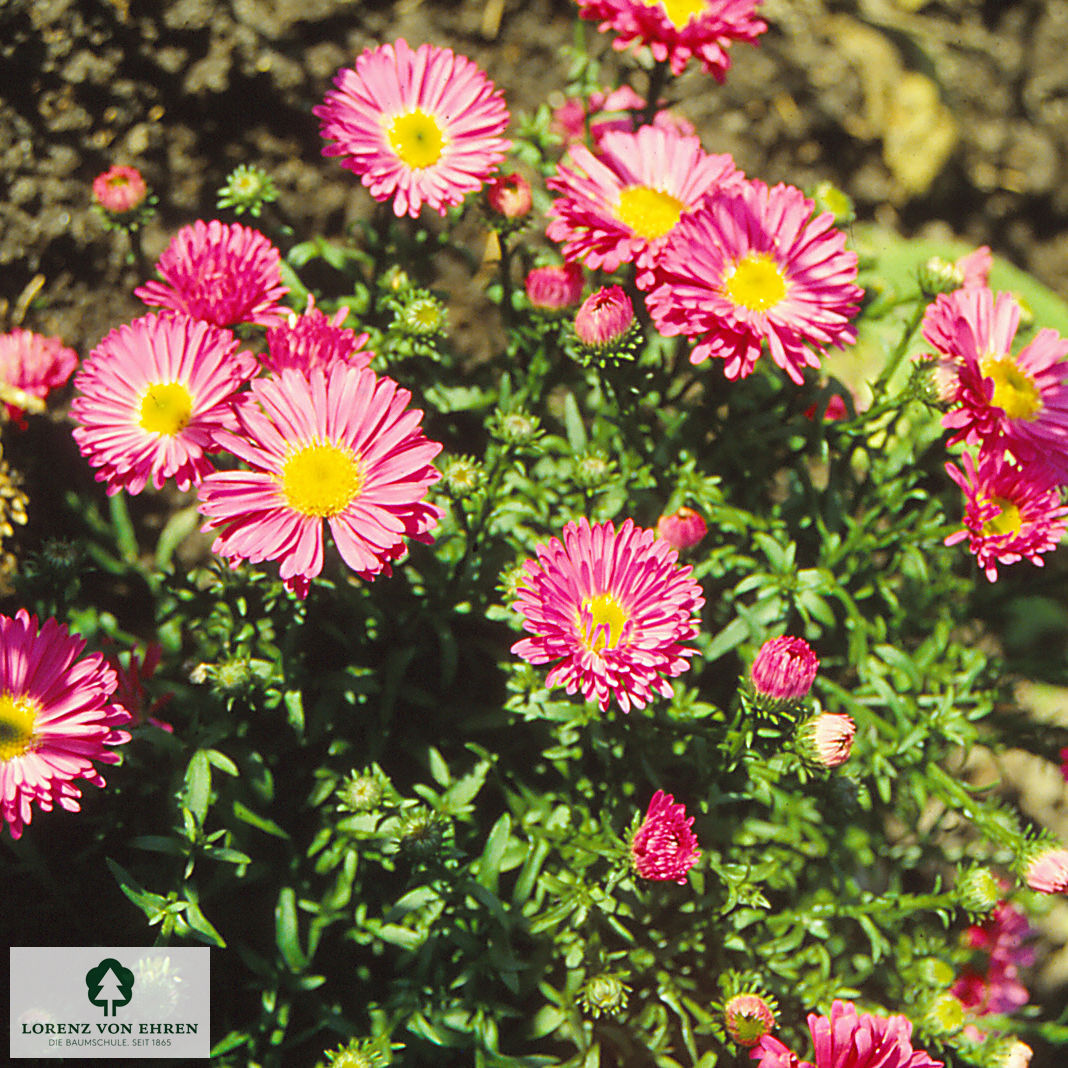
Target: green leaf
{"x":489,"y":864}
{"x":286,"y":935}
{"x":197,"y":794}
{"x":576,"y":430}
{"x":261,"y":823}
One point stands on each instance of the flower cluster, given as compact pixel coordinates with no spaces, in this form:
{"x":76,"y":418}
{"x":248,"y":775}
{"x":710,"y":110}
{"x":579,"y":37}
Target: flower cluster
{"x":1000,"y":943}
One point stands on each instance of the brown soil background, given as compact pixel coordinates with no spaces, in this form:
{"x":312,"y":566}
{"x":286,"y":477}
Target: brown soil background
{"x":939,"y":118}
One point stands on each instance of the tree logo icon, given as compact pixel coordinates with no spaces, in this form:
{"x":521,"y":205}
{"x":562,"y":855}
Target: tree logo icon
{"x":110,"y":985}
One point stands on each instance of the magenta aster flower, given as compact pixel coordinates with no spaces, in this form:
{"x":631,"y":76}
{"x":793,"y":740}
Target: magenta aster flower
{"x":683,"y":529}
{"x":611,"y":608}
{"x":151,"y":396}
{"x":314,"y":340}
{"x":678,"y":30}
{"x":34,"y":364}
{"x":784,"y":669}
{"x":1015,"y":403}
{"x":552,"y":289}
{"x":1047,"y":871}
{"x":422,"y":126}
{"x":56,"y":718}
{"x":620,"y":205}
{"x":120,"y":190}
{"x":1011,"y":513}
{"x":340,"y":445}
{"x":222,"y":274}
{"x":753,"y":267}
{"x":848,"y":1040}
{"x":663,"y":847}
{"x":608,"y":111}
{"x":605,"y":317}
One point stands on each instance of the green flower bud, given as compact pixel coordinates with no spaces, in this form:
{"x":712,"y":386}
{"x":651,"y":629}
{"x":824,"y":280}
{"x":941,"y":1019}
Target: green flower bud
{"x":939,"y":275}
{"x":360,"y":792}
{"x":979,"y":891}
{"x":944,"y":1014}
{"x":828,"y":197}
{"x":592,"y":470}
{"x":605,"y":993}
{"x":247,"y":189}
{"x":462,"y":476}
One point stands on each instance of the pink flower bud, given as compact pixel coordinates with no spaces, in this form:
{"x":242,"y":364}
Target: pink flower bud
{"x":682,"y":529}
{"x":784,"y":669}
{"x":120,"y":190}
{"x":509,"y":195}
{"x":664,"y":848}
{"x":827,"y":738}
{"x":748,"y":1018}
{"x":1047,"y":872}
{"x":605,"y":317}
{"x":554,"y":288}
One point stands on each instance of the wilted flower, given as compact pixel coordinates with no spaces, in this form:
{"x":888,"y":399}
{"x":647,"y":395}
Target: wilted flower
{"x":682,"y":529}
{"x":663,"y":847}
{"x":555,"y":288}
{"x":748,"y":1017}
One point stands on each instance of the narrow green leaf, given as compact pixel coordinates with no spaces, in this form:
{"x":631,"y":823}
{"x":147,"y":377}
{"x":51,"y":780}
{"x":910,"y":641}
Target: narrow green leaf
{"x":198,"y":786}
{"x":489,"y":864}
{"x":286,"y":935}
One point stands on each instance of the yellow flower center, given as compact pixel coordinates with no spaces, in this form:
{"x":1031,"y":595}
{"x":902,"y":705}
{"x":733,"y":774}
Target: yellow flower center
{"x":756,"y":283}
{"x":166,"y":408}
{"x":679,"y":11}
{"x":1007,"y":521}
{"x":18,"y":717}
{"x":417,"y":139}
{"x":650,"y":213}
{"x":321,"y":479}
{"x":607,"y":620}
{"x":1015,"y":391}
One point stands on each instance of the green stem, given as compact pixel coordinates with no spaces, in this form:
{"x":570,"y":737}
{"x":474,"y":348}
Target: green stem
{"x":882,"y":383}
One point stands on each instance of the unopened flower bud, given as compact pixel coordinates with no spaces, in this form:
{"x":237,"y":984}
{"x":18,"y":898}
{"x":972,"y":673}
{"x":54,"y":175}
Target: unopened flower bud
{"x":509,"y":196}
{"x":552,"y":289}
{"x":784,"y":669}
{"x":247,"y":189}
{"x":682,"y":529}
{"x":944,"y":1014}
{"x":1012,"y":1053}
{"x":605,"y":993}
{"x":120,"y":190}
{"x":978,"y":891}
{"x":828,"y":197}
{"x":423,"y":316}
{"x":826,"y":739}
{"x":748,"y":1018}
{"x":360,"y":792}
{"x":421,"y":834}
{"x":233,"y":676}
{"x":515,"y":428}
{"x":592,"y":470}
{"x":938,"y":275}
{"x":462,"y":476}
{"x":605,"y":318}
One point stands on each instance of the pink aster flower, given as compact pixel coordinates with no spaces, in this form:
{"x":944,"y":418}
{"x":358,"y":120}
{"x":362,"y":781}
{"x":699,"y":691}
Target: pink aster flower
{"x":784,"y":669}
{"x":314,"y":340}
{"x":120,"y":190}
{"x":605,"y":317}
{"x":1011,"y":513}
{"x":683,"y":529}
{"x":222,"y":274}
{"x":607,"y":112}
{"x":663,"y":847}
{"x":130,"y":692}
{"x":679,"y":30}
{"x":422,"y":126}
{"x":151,"y":396}
{"x":56,"y":718}
{"x":34,"y":365}
{"x":621,"y":204}
{"x":1014,"y":403}
{"x":754,"y":267}
{"x":611,"y":608}
{"x":847,"y":1039}
{"x":975,"y":268}
{"x":552,"y":289}
{"x":338,"y":444}
{"x":1047,"y":871}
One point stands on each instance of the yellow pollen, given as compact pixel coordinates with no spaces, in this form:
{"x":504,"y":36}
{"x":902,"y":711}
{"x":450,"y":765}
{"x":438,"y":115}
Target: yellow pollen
{"x":756,"y":283}
{"x":1015,"y":391}
{"x":417,"y":139}
{"x":1007,"y":521}
{"x":18,"y":717}
{"x":679,"y":11}
{"x":321,"y":479}
{"x":607,"y":620}
{"x":650,"y":213}
{"x":166,"y":408}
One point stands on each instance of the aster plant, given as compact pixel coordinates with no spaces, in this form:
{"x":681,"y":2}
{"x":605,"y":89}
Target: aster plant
{"x":599,"y":694}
